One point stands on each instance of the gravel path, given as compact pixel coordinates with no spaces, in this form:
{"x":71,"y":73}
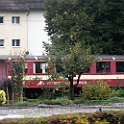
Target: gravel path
{"x":44,"y":110}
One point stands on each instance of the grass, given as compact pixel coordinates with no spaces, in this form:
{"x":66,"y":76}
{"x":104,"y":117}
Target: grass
{"x":60,"y":101}
{"x":66,"y":101}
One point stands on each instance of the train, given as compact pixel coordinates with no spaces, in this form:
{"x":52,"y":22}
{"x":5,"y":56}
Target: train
{"x":109,"y":68}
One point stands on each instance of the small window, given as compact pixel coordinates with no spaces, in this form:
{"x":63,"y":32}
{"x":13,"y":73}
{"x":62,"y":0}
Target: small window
{"x":1,"y":19}
{"x":1,"y":42}
{"x":40,"y":67}
{"x":15,"y":42}
{"x":15,"y":20}
{"x":102,"y":67}
{"x":119,"y":66}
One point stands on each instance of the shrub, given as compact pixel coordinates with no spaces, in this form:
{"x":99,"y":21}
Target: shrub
{"x":116,"y":100}
{"x":62,"y":101}
{"x":121,"y":92}
{"x":98,"y":90}
{"x":111,"y":117}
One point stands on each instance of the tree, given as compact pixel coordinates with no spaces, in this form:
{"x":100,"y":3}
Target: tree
{"x":107,"y":27}
{"x":70,"y":50}
{"x":98,"y":22}
{"x":68,"y":24}
{"x":18,"y":63}
{"x":71,"y":65}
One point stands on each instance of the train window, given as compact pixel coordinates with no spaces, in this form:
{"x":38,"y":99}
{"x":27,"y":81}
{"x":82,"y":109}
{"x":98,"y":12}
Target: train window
{"x":40,"y":67}
{"x":119,"y":66}
{"x":102,"y":67}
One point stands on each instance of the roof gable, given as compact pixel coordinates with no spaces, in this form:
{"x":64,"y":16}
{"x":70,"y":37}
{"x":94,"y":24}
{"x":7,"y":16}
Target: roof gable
{"x":21,"y":5}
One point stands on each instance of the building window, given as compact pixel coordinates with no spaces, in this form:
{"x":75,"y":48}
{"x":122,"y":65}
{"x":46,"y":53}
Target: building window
{"x":15,"y":42}
{"x":1,"y":42}
{"x":40,"y":67}
{"x":1,"y":19}
{"x":102,"y":67}
{"x":119,"y":66}
{"x":15,"y":20}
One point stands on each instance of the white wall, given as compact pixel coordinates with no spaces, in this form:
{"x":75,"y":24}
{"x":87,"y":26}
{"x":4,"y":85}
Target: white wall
{"x":9,"y":31}
{"x":30,"y":31}
{"x":36,"y":33}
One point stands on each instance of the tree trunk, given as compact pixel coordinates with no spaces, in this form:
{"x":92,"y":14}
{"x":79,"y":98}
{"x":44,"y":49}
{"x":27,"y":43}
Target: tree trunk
{"x":76,"y":85}
{"x":7,"y":94}
{"x":71,"y":89}
{"x":21,"y":94}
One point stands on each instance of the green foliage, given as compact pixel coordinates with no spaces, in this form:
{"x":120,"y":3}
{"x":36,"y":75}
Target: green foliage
{"x":52,"y":93}
{"x":107,"y":28}
{"x":95,"y":22}
{"x":112,"y":117}
{"x":62,"y":101}
{"x":103,"y":117}
{"x":18,"y":70}
{"x":25,"y":99}
{"x":68,"y":27}
{"x":121,"y":92}
{"x":24,"y":103}
{"x":66,"y":21}
{"x":58,"y":101}
{"x":66,"y":101}
{"x":116,"y":99}
{"x":71,"y":64}
{"x":98,"y":90}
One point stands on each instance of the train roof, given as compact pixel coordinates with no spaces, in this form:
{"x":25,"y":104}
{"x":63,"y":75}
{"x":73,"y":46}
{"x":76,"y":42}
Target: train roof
{"x":33,"y":57}
{"x":110,"y":57}
{"x":29,"y":57}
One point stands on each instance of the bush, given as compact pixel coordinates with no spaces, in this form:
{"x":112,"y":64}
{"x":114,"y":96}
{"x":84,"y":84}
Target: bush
{"x":116,"y":99}
{"x":52,"y":93}
{"x":121,"y":92}
{"x":62,"y":101}
{"x":98,"y":90}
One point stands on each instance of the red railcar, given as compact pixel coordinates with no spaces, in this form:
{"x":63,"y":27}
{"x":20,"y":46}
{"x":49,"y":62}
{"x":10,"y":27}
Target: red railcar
{"x":109,"y":68}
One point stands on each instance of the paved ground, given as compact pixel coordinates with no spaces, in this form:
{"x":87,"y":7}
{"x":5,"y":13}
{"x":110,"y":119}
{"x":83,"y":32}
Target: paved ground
{"x":44,"y":110}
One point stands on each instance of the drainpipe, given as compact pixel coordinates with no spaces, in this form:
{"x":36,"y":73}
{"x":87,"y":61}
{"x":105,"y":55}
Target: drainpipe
{"x":28,"y":13}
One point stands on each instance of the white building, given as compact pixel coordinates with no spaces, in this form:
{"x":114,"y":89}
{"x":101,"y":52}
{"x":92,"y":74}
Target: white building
{"x":22,"y":26}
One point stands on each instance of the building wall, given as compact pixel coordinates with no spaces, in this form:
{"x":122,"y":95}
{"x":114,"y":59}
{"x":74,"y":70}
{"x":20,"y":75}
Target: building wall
{"x":9,"y":31}
{"x":36,"y":32}
{"x":30,"y":31}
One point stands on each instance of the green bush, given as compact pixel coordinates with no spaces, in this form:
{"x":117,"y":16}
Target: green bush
{"x":62,"y":101}
{"x":121,"y":92}
{"x":98,"y":90}
{"x":116,"y":99}
{"x":52,"y":93}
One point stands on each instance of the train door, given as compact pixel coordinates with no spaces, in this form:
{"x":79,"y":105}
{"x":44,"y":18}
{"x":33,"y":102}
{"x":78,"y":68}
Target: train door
{"x":3,"y":72}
